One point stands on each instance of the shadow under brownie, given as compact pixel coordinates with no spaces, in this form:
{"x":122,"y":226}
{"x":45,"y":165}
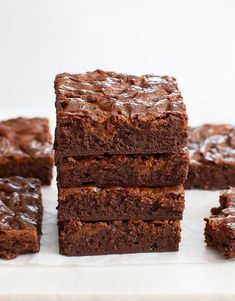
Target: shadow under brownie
{"x":111,"y":113}
{"x":26,"y":149}
{"x":20,"y":216}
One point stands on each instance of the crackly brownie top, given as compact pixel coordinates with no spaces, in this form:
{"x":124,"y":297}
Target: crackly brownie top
{"x":24,"y":137}
{"x":20,"y":203}
{"x":99,"y":94}
{"x":225,"y":214}
{"x":212,"y":143}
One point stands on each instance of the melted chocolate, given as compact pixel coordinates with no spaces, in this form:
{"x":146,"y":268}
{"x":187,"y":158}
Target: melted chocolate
{"x":20,"y":203}
{"x":212,"y":143}
{"x":23,"y":137}
{"x":98,"y":93}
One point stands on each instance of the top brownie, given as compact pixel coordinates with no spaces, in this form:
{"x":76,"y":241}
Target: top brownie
{"x":111,"y":113}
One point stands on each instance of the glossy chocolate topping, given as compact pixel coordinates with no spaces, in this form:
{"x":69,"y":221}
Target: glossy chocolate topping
{"x":98,"y":94}
{"x":212,"y":142}
{"x":226,"y":216}
{"x":20,"y":203}
{"x":23,"y":137}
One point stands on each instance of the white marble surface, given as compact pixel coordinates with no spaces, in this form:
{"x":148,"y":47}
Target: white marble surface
{"x":192,"y":40}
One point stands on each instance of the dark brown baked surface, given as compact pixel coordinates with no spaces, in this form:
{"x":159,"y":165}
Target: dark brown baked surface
{"x":220,"y":227}
{"x":26,"y":149}
{"x":123,"y":170}
{"x":90,"y":203}
{"x":20,"y":216}
{"x":212,"y":156}
{"x":84,"y":238}
{"x":111,"y":113}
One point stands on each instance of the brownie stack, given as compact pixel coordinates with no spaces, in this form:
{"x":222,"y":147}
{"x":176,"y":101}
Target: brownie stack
{"x":121,"y":157}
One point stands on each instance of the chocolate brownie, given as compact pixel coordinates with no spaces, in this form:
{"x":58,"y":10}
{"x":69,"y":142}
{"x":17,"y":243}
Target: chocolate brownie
{"x":78,"y":238}
{"x":26,"y":149}
{"x":117,"y":203}
{"x":111,"y":113}
{"x":20,"y":216}
{"x":212,"y":156}
{"x":124,"y":170}
{"x":220,"y":227}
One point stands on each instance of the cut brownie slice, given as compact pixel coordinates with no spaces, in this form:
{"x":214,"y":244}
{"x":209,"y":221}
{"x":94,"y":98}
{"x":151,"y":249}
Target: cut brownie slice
{"x":117,"y":203}
{"x":220,"y":227}
{"x":20,"y":216}
{"x":26,"y":149}
{"x":124,"y":170}
{"x":111,"y":113}
{"x":83,"y":238}
{"x":212,"y":156}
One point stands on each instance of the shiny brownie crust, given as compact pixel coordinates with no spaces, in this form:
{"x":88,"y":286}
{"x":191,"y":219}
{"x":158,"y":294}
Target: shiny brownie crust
{"x":111,"y":113}
{"x":120,"y":203}
{"x":123,"y":170}
{"x":20,"y":216}
{"x":212,"y":156}
{"x":84,"y":238}
{"x":26,"y":149}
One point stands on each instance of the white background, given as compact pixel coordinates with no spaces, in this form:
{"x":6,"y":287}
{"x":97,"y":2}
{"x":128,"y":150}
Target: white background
{"x":192,"y":40}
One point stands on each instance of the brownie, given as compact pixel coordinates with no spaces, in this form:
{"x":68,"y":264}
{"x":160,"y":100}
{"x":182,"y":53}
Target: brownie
{"x":20,"y":216}
{"x":124,"y":170}
{"x":220,"y":227}
{"x":78,"y":238}
{"x":26,"y":149}
{"x":212,"y":156}
{"x":90,"y":203}
{"x":111,"y":113}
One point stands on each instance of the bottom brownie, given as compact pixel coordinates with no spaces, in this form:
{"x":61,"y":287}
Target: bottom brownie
{"x":220,"y":227}
{"x":85,"y":238}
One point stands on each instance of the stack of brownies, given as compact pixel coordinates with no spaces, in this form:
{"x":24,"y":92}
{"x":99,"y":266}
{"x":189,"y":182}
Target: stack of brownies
{"x":121,"y":157}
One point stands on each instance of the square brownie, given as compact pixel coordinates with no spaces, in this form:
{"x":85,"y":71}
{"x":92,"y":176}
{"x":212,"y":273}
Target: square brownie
{"x":212,"y":156}
{"x":123,"y":170}
{"x":90,"y":203}
{"x":26,"y":149}
{"x":220,"y":227}
{"x":20,"y":216}
{"x":78,"y":238}
{"x":111,"y":113}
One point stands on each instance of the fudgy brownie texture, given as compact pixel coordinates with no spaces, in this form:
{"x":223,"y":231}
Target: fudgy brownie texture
{"x":124,"y":170}
{"x":220,"y":227}
{"x":212,"y":156}
{"x":26,"y":149}
{"x":120,"y":203}
{"x":111,"y":113}
{"x":20,"y":216}
{"x":116,"y":237}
